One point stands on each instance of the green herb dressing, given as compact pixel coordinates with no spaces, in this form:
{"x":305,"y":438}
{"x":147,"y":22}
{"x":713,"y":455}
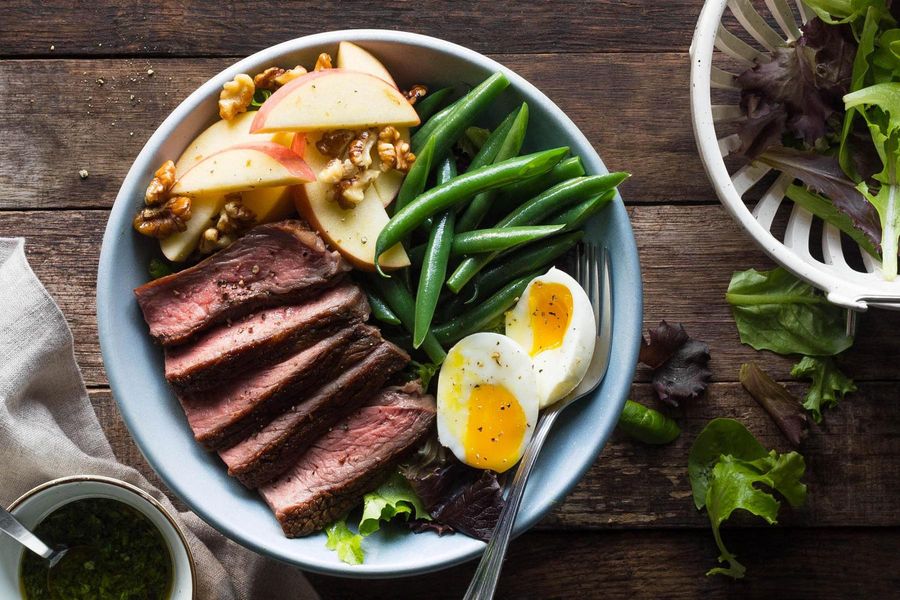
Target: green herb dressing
{"x":116,"y":553}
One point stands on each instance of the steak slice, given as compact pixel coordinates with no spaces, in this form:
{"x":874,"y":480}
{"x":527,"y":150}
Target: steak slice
{"x":222,"y":417}
{"x":269,"y":452}
{"x":350,"y":460}
{"x":263,"y":338}
{"x":272,"y":264}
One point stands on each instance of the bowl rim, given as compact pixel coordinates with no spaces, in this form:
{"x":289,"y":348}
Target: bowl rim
{"x":128,"y":487}
{"x":628,"y":260}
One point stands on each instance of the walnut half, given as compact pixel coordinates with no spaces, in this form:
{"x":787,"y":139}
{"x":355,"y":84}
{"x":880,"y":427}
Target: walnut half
{"x":159,"y":186}
{"x":162,"y":221}
{"x":236,"y":96}
{"x":394,"y":151}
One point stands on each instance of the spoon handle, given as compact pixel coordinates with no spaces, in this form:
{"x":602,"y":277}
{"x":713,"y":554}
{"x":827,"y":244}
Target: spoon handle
{"x":484,"y":583}
{"x":11,"y":527}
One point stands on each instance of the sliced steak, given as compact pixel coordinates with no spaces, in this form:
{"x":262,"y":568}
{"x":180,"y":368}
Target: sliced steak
{"x":223,"y":416}
{"x":350,"y":460}
{"x":269,"y":452}
{"x":262,"y":338}
{"x":272,"y":264}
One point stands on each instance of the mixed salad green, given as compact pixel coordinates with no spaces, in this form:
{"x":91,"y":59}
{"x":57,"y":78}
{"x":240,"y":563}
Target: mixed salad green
{"x":826,"y":110}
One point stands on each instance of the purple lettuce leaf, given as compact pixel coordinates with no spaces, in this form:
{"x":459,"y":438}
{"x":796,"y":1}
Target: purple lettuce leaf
{"x":823,"y":174}
{"x":685,"y":375}
{"x":784,"y":408}
{"x":797,"y":89}
{"x":664,"y":342}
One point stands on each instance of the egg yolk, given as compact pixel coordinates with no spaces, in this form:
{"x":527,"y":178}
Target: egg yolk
{"x":495,"y":428}
{"x":550,"y":307}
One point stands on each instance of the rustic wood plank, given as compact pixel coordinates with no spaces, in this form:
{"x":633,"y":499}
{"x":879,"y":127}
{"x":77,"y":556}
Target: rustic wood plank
{"x":853,"y":464}
{"x":798,"y":564}
{"x":192,"y":28}
{"x":687,"y":257}
{"x":636,"y":124}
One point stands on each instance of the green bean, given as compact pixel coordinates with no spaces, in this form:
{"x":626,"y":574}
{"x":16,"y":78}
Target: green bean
{"x":415,"y":181}
{"x":460,"y":115}
{"x":518,"y":263}
{"x":380,"y":310}
{"x":556,"y":198}
{"x":510,"y":146}
{"x":434,"y":263}
{"x":401,"y":302}
{"x":457,"y":190}
{"x":647,"y":425}
{"x":445,"y":172}
{"x":488,"y":151}
{"x":578,"y":215}
{"x":487,"y":312}
{"x":490,"y":240}
{"x":514,"y":194}
{"x":431,"y":103}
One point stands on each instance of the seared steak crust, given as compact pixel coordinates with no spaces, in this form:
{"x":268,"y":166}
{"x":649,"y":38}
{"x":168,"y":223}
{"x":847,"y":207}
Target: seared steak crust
{"x":350,"y":460}
{"x":263,"y":338}
{"x":269,"y":452}
{"x":272,"y":264}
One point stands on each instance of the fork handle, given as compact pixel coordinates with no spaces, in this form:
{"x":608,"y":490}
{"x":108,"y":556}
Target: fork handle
{"x":484,"y":583}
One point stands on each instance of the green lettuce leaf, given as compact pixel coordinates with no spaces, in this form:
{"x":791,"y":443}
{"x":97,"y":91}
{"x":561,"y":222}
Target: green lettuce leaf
{"x":720,"y":436}
{"x":733,"y":487}
{"x":725,"y":465}
{"x":776,"y":311}
{"x":879,"y":105}
{"x":394,"y":497}
{"x":347,"y":544}
{"x":860,"y":223}
{"x":829,"y":384}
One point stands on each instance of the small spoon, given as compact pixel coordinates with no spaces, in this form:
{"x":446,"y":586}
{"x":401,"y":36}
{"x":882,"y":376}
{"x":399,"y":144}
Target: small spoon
{"x":11,"y":527}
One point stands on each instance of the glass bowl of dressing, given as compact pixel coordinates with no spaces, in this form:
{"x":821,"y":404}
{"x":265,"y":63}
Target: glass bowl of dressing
{"x":120,"y":538}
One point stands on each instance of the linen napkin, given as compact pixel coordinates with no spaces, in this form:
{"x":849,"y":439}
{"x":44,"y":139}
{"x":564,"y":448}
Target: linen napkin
{"x":48,"y":429}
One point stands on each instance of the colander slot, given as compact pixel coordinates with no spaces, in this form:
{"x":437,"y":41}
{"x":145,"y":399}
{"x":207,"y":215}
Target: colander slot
{"x":736,"y":48}
{"x":722,"y":80}
{"x":768,"y":205}
{"x":755,"y":25}
{"x":784,"y":16}
{"x":796,"y":236}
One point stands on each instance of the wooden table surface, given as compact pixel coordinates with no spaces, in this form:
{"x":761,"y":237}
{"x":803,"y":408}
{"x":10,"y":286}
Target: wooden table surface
{"x":76,"y":92}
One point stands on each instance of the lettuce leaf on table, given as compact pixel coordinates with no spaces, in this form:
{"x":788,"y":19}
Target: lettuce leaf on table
{"x":776,"y":311}
{"x":784,"y":408}
{"x":679,"y":363}
{"x":726,"y":466}
{"x":829,"y":384}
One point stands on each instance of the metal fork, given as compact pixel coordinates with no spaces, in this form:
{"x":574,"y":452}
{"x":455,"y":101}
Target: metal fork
{"x":592,"y":272}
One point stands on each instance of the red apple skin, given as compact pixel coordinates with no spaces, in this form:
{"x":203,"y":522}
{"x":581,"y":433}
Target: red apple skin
{"x":298,"y":144}
{"x":284,"y":91}
{"x":286,"y":156}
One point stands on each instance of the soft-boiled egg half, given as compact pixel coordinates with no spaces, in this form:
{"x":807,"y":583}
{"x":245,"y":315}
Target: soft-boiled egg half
{"x":487,"y":403}
{"x":554,"y":323}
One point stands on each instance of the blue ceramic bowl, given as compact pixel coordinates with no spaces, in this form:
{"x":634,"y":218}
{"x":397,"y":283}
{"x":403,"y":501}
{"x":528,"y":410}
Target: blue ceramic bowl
{"x":135,"y":367}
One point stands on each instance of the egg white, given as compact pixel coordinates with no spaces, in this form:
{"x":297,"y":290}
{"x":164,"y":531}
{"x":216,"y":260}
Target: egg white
{"x":482,"y":358}
{"x":558,"y":370}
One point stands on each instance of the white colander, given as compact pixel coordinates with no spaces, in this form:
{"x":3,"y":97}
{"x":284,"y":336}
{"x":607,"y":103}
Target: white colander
{"x":715,"y":127}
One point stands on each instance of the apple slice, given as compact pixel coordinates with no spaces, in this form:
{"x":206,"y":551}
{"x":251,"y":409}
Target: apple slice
{"x":224,"y":134}
{"x":179,"y":246}
{"x":353,"y":58}
{"x":388,"y":183}
{"x":269,"y":204}
{"x":334,"y":99}
{"x":244,"y":167}
{"x":352,"y":232}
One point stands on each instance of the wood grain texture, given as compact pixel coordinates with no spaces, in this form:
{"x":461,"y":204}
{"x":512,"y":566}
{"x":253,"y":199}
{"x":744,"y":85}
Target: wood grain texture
{"x":853,"y":464}
{"x":687,"y":257}
{"x":634,"y":123}
{"x":796,"y":564}
{"x":192,"y":28}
